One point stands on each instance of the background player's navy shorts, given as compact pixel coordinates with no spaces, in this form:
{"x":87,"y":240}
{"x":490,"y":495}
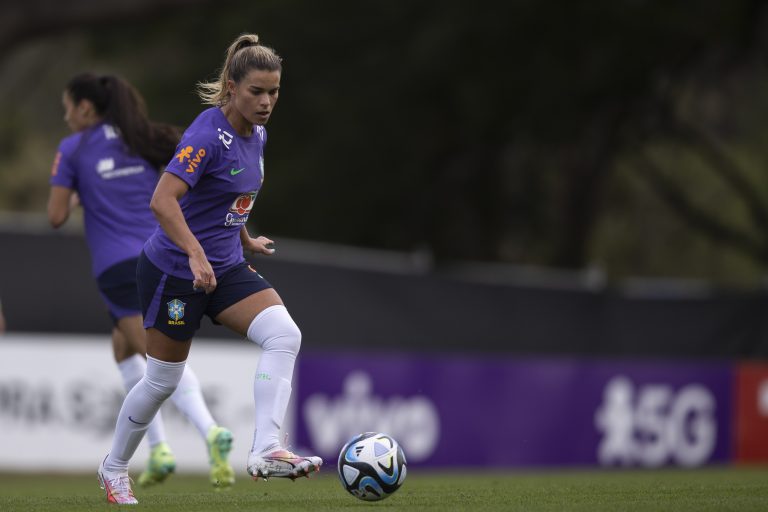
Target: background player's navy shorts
{"x":171,"y":306}
{"x":118,"y":288}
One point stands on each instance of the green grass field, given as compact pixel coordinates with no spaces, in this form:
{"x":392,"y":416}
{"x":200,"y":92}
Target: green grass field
{"x":711,"y":489}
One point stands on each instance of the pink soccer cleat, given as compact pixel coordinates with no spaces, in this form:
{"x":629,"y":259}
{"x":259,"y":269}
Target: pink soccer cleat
{"x":281,"y":463}
{"x":117,"y":486}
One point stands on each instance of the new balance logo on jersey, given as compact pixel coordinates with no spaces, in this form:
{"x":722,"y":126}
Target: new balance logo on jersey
{"x":106,"y":169}
{"x":105,"y":164}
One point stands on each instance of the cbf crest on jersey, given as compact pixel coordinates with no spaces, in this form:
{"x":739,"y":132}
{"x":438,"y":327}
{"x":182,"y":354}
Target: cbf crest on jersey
{"x":176,"y":312}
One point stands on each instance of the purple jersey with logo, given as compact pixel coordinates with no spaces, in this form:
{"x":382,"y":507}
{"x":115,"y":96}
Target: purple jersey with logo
{"x":115,"y":188}
{"x":224,"y":172}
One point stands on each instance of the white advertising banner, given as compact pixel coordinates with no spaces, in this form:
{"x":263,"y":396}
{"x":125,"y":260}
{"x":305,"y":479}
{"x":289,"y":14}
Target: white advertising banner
{"x":59,"y":398}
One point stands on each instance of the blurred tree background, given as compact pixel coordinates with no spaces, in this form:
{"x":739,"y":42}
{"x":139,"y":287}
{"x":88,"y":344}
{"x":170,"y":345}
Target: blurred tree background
{"x":625,"y":134}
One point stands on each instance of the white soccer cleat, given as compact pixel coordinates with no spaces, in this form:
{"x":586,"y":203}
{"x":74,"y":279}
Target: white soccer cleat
{"x":281,"y":463}
{"x":117,"y":486}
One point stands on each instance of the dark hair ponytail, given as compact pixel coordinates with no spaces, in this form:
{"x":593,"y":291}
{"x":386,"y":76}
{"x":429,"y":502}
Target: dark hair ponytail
{"x":120,"y":105}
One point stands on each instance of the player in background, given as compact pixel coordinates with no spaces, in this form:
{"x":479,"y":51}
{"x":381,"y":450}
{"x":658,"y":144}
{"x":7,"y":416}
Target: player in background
{"x":193,"y":265}
{"x":110,"y":166}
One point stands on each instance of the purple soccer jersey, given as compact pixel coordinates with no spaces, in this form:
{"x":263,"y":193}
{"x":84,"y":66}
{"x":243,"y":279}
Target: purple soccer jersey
{"x":224,"y":172}
{"x":115,"y":188}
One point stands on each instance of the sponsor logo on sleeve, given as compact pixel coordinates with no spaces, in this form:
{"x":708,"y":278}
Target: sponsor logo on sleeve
{"x":184,"y":154}
{"x":192,"y":157}
{"x":56,"y":162}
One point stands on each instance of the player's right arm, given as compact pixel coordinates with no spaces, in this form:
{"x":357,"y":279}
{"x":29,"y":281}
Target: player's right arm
{"x":165,"y":206}
{"x":63,"y":185}
{"x":58,"y":205}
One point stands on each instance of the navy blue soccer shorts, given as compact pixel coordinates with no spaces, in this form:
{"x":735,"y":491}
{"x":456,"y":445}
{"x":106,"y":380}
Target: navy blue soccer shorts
{"x":173,"y":307}
{"x":117,"y":286}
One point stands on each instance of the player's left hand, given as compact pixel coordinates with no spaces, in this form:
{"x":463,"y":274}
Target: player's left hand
{"x":259,"y":245}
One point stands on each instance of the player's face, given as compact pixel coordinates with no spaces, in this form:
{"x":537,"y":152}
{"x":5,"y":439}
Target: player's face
{"x":76,"y":116}
{"x":255,"y":96}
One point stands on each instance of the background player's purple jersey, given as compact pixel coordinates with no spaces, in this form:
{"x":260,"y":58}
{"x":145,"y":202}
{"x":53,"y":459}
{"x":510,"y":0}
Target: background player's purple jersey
{"x":224,"y":172}
{"x":115,"y":188}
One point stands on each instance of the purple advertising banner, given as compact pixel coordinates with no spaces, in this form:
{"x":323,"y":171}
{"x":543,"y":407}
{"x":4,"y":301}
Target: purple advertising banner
{"x":499,"y":411}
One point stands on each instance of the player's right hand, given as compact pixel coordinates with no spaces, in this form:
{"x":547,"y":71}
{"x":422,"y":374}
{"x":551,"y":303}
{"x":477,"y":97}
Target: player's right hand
{"x":204,"y":278}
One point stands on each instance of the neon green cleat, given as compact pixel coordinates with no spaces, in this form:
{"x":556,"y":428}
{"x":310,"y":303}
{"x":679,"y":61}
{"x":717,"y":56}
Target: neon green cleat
{"x":161,"y":464}
{"x":219,"y":445}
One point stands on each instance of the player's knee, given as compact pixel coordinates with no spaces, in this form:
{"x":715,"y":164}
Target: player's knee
{"x":160,"y":390}
{"x":288,"y":341}
{"x":162,"y":379}
{"x":274,"y":330}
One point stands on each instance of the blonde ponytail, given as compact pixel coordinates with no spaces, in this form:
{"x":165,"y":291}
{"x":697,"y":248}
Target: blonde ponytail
{"x":243,"y":55}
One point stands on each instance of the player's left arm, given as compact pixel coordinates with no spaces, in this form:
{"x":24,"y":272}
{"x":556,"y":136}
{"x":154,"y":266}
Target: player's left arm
{"x":258,"y":245}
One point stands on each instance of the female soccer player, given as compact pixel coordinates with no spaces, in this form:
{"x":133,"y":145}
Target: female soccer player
{"x":109,"y":164}
{"x":193,"y":265}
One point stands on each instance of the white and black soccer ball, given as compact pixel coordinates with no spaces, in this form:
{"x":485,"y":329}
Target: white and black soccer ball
{"x":372,"y":466}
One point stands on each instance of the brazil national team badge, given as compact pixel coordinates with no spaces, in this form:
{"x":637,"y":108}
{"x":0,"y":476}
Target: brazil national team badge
{"x":176,"y":312}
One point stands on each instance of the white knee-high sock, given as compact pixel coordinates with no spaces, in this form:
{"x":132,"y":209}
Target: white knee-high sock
{"x":132,"y":369}
{"x":275,"y":331}
{"x":188,"y":398}
{"x":139,"y":408}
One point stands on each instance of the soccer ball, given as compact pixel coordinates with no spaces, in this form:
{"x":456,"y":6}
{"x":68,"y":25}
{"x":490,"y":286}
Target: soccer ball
{"x":372,"y":466}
